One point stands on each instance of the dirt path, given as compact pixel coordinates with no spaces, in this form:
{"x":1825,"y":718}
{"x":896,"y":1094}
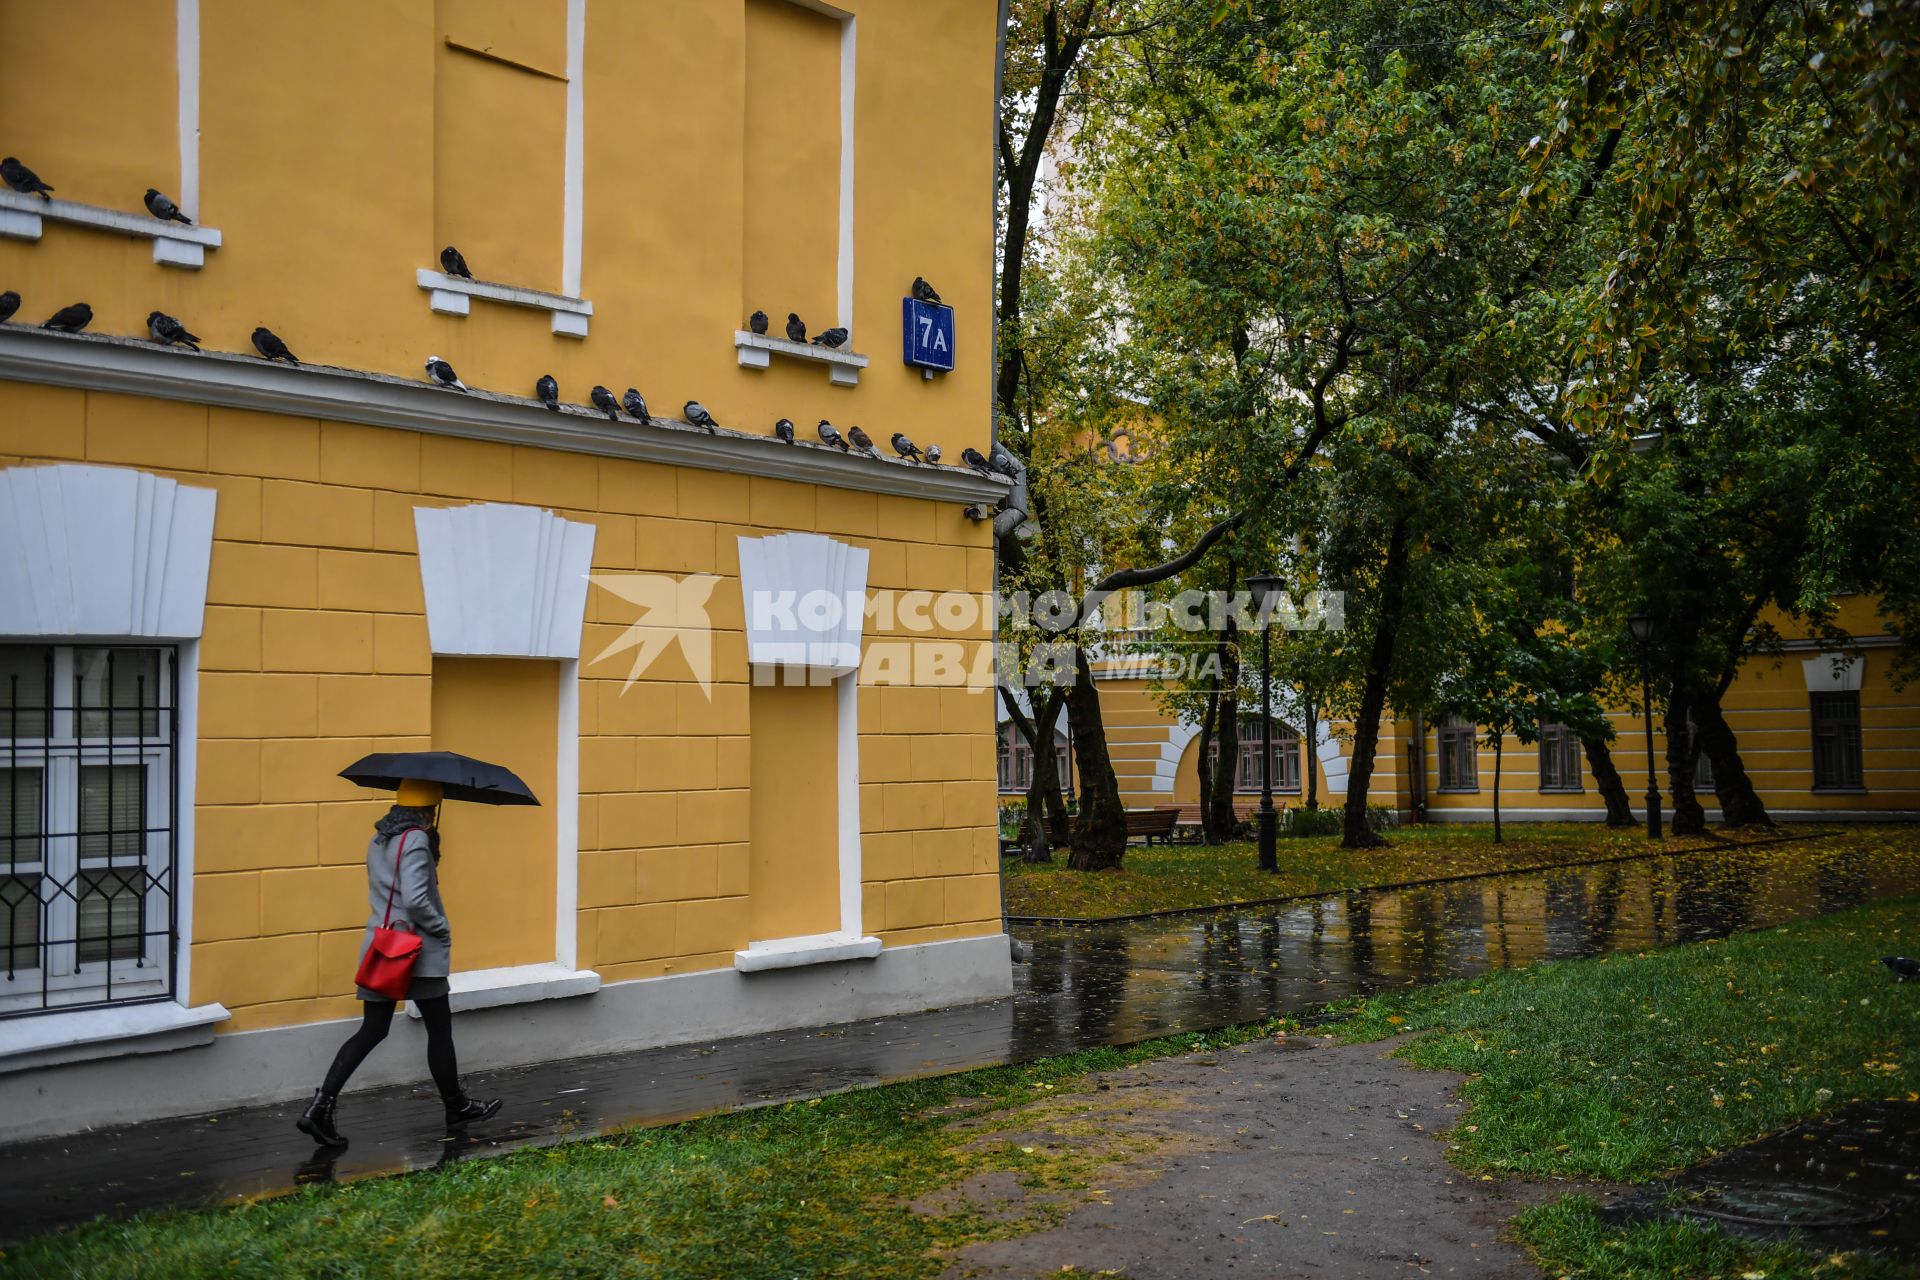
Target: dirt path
{"x":1303,"y":1158}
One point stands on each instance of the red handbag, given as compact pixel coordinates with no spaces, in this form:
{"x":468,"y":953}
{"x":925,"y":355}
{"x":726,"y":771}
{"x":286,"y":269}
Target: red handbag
{"x":387,"y":966}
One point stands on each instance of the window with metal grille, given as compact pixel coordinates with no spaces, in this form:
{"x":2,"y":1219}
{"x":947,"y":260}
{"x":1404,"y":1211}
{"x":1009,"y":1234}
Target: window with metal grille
{"x":87,"y":812}
{"x":1457,"y":751}
{"x":1559,"y":758}
{"x":1016,"y":761}
{"x":1246,"y":772}
{"x":1836,"y":742}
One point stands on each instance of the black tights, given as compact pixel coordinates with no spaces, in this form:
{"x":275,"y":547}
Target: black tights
{"x":374,"y":1022}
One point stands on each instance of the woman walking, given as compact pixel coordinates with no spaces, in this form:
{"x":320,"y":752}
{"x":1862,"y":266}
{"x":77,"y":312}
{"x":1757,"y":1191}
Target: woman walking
{"x":403,"y":890}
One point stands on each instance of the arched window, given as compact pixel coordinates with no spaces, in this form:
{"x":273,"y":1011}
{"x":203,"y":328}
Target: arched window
{"x":1016,"y":760}
{"x":1286,"y":756}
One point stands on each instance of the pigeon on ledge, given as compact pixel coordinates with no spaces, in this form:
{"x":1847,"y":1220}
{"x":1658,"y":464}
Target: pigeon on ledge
{"x":442,"y":372}
{"x":167,"y":331}
{"x":796,"y":327}
{"x":164,"y":209}
{"x":453,"y":264}
{"x":70,"y":319}
{"x":784,"y":429}
{"x":23,"y":179}
{"x":603,"y":401}
{"x":547,"y":391}
{"x":697,"y":414}
{"x":636,"y":406}
{"x":831,"y":437}
{"x":268,"y":344}
{"x":905,"y":447}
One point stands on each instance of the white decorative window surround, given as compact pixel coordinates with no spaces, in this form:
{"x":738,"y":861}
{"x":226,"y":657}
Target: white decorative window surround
{"x":22,"y":217}
{"x":102,"y":552}
{"x":1834,"y":673}
{"x":507,"y":581}
{"x":805,"y":595}
{"x":106,"y":553}
{"x":503,"y":581}
{"x":449,"y":295}
{"x":174,"y":245}
{"x":756,"y":351}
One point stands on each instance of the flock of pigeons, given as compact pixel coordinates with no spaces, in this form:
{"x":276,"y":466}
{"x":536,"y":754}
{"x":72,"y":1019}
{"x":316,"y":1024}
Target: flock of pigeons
{"x":169,"y":331}
{"x":165,"y":329}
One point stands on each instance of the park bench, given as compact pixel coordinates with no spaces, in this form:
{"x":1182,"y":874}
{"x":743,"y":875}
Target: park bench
{"x":1153,"y":824}
{"x":1187,"y":827}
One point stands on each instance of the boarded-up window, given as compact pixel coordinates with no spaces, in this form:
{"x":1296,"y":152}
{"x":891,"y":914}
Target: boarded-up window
{"x":790,"y":253}
{"x":794,"y":812}
{"x":82,"y":140}
{"x":498,"y":867}
{"x":499,"y":139}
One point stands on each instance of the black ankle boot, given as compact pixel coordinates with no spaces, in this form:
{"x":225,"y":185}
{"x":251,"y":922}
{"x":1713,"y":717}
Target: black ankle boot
{"x":464,"y":1110}
{"x":317,"y":1120}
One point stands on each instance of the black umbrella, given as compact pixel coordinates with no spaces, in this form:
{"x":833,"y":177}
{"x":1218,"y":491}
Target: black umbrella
{"x":460,"y":777}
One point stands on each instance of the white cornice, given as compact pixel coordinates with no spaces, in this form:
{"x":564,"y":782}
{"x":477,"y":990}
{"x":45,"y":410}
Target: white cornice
{"x":132,"y":367}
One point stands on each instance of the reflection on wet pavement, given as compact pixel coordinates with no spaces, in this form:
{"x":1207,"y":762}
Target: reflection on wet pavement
{"x":1084,"y":986}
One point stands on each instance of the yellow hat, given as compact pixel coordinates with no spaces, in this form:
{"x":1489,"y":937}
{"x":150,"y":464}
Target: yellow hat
{"x":416,"y":794}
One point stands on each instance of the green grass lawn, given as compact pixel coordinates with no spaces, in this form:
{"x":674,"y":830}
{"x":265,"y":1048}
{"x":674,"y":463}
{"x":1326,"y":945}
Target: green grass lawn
{"x":804,"y":1189}
{"x":1627,"y":1067}
{"x":1160,"y":877}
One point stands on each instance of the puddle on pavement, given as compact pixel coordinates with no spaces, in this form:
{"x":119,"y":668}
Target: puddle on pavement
{"x":1845,"y":1181}
{"x":1082,"y":986}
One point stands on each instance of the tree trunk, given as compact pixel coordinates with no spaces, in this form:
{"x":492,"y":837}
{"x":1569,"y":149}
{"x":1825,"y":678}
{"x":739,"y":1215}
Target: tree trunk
{"x":1203,"y":763}
{"x":1373,"y":700}
{"x":1499,"y":741}
{"x":1689,"y":819}
{"x":1227,"y":729}
{"x":1100,"y":832}
{"x":1043,"y":790}
{"x":1740,"y":804}
{"x":1607,"y":778}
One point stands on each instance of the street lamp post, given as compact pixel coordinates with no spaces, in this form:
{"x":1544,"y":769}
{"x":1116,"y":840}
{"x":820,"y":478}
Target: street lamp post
{"x":1641,"y":625}
{"x":1263,"y":586}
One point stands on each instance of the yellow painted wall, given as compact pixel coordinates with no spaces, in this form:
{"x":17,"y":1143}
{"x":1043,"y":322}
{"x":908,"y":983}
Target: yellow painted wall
{"x":315,"y":652}
{"x":497,"y":862}
{"x":110,"y":131}
{"x":793,"y":882}
{"x":791,"y":179}
{"x":318,"y":164}
{"x":499,"y":138}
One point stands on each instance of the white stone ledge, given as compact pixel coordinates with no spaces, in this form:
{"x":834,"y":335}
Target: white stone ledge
{"x":49,"y":1039}
{"x":131,"y":366}
{"x":756,"y":351}
{"x":817,"y":948}
{"x":23,"y":217}
{"x":451,"y":296}
{"x":516,"y":984}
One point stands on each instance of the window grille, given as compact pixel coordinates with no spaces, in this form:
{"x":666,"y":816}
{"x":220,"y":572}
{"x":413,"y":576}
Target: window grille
{"x":88,"y":810}
{"x":1836,"y":742}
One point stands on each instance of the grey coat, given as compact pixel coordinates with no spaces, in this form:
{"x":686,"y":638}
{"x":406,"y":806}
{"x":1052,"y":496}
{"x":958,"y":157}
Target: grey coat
{"x":416,"y":902}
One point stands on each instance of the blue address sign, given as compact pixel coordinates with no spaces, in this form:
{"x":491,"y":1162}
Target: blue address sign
{"x":926,"y":334}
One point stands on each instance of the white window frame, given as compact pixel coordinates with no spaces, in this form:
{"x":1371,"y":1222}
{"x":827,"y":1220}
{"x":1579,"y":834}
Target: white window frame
{"x":60,"y":756}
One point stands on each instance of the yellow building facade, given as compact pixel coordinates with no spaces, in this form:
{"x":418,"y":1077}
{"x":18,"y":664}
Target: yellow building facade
{"x":1824,"y":736}
{"x":227,"y":578}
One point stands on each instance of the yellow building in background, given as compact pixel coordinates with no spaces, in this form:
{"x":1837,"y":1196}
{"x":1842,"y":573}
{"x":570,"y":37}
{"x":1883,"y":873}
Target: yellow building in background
{"x":1825,"y":736}
{"x":225,"y":578}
